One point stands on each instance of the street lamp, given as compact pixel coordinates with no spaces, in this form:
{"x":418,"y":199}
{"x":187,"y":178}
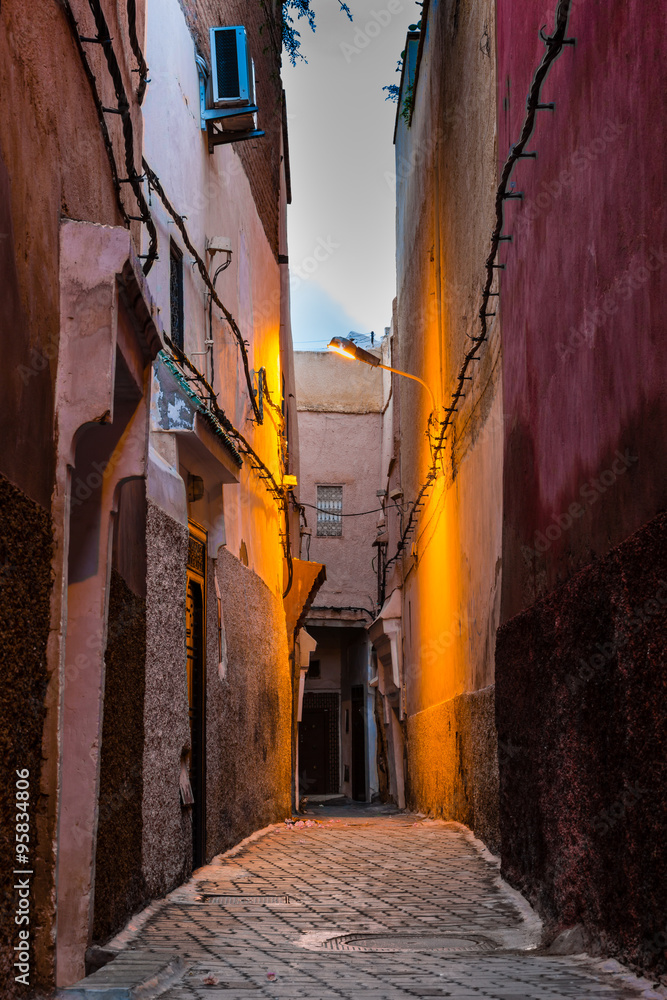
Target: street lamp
{"x":348,"y":349}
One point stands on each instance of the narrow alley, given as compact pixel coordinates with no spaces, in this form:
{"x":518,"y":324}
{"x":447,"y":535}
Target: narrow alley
{"x":333,"y":499}
{"x":363,"y":902}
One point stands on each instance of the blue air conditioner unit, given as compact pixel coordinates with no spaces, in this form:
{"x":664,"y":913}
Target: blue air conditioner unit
{"x":232,"y":69}
{"x":227,"y":90}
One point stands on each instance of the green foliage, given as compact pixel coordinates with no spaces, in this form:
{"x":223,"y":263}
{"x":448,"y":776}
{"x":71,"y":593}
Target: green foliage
{"x":408,"y":104}
{"x":291,"y":37}
{"x":394,"y":91}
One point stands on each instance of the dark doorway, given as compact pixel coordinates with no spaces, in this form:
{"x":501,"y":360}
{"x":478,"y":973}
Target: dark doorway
{"x":358,"y":744}
{"x":196,"y":662}
{"x":318,"y":745}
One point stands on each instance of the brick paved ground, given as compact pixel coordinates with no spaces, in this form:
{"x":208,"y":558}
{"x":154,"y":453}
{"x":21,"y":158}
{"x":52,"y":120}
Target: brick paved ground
{"x":408,"y":883}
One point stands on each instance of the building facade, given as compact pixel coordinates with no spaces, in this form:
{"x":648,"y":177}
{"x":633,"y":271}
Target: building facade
{"x":580,"y":657}
{"x":340,"y":411}
{"x":525,"y":577}
{"x":150,"y":528}
{"x":442,"y":560}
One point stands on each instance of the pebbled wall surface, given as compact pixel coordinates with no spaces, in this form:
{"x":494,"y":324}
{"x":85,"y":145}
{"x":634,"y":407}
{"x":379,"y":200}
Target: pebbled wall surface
{"x":25,"y":586}
{"x":581,"y":682}
{"x":452,"y":749}
{"x":249,"y":712}
{"x":167,"y":831}
{"x":119,"y":883}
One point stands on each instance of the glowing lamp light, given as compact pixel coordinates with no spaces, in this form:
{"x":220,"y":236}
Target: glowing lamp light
{"x":348,"y":349}
{"x":290,"y":482}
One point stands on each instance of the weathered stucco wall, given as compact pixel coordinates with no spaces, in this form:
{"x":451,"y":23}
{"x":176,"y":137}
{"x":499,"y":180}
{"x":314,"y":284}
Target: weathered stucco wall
{"x":25,"y":583}
{"x":167,"y":832}
{"x":46,"y":113}
{"x":584,"y":351}
{"x":343,"y":449}
{"x":329,"y":383}
{"x":53,"y":166}
{"x":450,"y":570}
{"x":249,"y":712}
{"x":581,"y":683}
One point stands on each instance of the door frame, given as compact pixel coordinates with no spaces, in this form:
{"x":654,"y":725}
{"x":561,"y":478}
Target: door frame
{"x":196,"y":575}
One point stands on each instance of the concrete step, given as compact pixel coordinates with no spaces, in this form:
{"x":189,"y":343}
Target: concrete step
{"x":132,"y":975}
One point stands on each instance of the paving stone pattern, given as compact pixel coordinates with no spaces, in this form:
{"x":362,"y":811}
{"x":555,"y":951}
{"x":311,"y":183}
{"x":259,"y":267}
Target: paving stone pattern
{"x":370,"y":878}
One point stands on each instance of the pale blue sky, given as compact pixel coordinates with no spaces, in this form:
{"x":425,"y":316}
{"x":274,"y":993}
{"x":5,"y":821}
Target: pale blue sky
{"x":342,"y":218}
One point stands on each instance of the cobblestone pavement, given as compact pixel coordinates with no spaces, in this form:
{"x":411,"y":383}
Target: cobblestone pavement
{"x":307,"y":913}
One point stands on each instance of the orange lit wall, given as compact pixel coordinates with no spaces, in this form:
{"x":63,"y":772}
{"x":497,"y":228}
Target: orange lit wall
{"x":450,"y":569}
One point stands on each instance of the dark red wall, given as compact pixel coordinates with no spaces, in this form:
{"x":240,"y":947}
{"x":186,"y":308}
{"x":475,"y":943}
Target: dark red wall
{"x":580,"y":658}
{"x":583,"y":294}
{"x":581,"y":683}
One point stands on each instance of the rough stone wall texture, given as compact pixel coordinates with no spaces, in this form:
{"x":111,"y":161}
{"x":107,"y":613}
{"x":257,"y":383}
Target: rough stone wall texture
{"x":119,"y":884}
{"x":583,"y":292}
{"x":581,"y":681}
{"x":261,"y":157}
{"x":249,"y":714}
{"x":167,"y":830}
{"x":453,"y":772}
{"x":25,"y":584}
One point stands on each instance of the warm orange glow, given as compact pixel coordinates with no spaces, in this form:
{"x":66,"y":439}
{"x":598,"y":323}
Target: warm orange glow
{"x":341,"y":351}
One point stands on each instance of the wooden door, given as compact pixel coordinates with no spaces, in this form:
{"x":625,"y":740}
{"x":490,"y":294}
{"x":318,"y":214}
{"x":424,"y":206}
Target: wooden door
{"x":319,"y":738}
{"x":313,"y":756}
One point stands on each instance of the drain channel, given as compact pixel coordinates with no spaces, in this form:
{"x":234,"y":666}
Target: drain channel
{"x":410,"y":942}
{"x":245,"y":900}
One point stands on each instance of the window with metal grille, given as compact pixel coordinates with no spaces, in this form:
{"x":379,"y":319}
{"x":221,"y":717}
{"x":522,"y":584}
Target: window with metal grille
{"x":329,"y":511}
{"x":176,"y":294}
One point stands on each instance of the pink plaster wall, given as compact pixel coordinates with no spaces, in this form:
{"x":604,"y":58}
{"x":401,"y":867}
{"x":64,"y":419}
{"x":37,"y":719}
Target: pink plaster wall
{"x":343,"y":449}
{"x":584,"y":352}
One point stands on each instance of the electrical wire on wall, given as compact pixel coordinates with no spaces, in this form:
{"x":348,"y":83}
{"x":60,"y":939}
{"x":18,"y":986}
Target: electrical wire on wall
{"x":136,"y":48}
{"x":90,"y":76}
{"x":361,"y":513}
{"x":135,"y":180}
{"x":554,"y":44}
{"x":279,"y":493}
{"x":154,"y":182}
{"x":103,"y":38}
{"x":122,"y":109}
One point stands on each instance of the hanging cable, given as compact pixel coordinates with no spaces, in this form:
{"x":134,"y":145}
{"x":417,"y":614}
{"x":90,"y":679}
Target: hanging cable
{"x":133,"y":178}
{"x":554,"y":44}
{"x":361,"y":513}
{"x":136,"y":48}
{"x":123,"y":109}
{"x":90,"y":76}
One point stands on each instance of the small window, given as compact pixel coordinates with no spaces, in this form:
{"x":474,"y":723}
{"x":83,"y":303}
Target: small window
{"x":176,"y":294}
{"x":314,"y":668}
{"x":329,"y":511}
